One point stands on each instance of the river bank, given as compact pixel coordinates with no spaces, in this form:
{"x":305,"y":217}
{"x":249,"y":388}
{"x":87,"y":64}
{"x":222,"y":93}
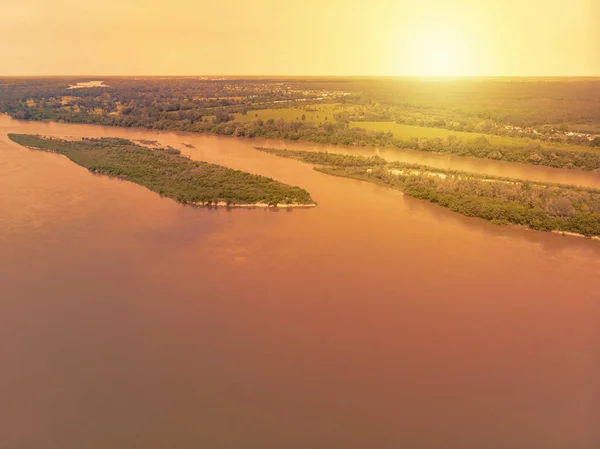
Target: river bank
{"x":253,"y":205}
{"x":504,"y":201}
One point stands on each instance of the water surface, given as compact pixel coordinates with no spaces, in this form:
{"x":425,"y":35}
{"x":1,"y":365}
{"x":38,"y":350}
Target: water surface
{"x":372,"y":321}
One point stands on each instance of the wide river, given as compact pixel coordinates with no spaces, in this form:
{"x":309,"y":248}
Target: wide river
{"x":373,"y":321}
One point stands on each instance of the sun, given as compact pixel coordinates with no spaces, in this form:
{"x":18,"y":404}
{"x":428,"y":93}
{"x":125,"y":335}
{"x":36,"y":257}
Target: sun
{"x":439,"y":53}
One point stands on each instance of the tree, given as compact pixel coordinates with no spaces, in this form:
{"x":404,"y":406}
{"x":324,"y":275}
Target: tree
{"x":222,"y":117}
{"x":561,"y":207}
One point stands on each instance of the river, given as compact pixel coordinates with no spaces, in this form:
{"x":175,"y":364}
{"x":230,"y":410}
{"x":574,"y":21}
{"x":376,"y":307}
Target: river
{"x":371,"y":321}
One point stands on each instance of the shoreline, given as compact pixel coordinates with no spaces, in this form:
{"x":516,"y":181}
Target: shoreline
{"x":223,"y":204}
{"x":571,"y":234}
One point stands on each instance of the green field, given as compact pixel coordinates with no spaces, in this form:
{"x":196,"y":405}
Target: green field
{"x":407,"y":132}
{"x":410,"y":131}
{"x":313,"y":113}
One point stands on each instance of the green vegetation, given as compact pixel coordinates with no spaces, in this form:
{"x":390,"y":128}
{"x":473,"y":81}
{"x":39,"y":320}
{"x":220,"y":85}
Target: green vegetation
{"x":547,"y":122}
{"x":551,"y":106}
{"x":420,"y":133}
{"x":402,"y":131}
{"x":511,"y":149}
{"x":408,"y":132}
{"x":166,"y":172}
{"x":540,"y":206}
{"x":316,"y":114}
{"x":147,"y":142}
{"x":325,"y":158}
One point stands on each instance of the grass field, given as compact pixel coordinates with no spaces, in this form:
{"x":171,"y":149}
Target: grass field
{"x":313,"y":113}
{"x":410,"y":131}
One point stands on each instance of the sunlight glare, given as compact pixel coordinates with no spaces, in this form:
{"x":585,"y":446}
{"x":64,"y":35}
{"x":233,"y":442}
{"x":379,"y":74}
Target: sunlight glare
{"x":440,"y":53}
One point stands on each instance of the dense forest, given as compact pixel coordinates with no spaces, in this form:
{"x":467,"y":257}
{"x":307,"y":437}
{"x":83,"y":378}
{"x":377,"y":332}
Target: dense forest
{"x":552,"y":122}
{"x":482,"y":104}
{"x":166,"y":172}
{"x":540,"y":206}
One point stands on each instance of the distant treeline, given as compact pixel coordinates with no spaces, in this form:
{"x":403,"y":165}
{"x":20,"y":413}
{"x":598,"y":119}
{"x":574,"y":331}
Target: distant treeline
{"x":460,"y":104}
{"x":477,"y":104}
{"x":164,"y":171}
{"x":540,"y":206}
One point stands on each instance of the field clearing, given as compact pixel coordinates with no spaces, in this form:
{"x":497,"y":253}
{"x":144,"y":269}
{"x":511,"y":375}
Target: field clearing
{"x":406,"y":132}
{"x":315,"y":113}
{"x":402,"y":131}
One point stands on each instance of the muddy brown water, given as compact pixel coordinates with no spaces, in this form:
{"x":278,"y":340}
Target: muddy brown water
{"x":371,"y":321}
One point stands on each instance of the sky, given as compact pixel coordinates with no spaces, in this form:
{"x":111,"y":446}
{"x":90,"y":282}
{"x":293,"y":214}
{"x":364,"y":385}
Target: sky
{"x":308,"y":37}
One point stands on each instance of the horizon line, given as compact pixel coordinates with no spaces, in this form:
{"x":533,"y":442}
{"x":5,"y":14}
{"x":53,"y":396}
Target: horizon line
{"x":294,"y":76}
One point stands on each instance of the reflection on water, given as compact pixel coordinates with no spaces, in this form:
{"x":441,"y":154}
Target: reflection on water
{"x":373,"y":320}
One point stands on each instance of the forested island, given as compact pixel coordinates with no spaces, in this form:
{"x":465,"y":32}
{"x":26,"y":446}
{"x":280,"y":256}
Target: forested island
{"x":538,"y":121}
{"x":506,"y":201}
{"x":168,"y":173}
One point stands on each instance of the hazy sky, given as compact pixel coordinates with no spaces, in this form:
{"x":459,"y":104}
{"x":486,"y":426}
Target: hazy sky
{"x":307,"y":37}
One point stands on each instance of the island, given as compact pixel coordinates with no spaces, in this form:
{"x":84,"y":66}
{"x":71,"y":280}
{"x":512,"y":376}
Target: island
{"x":507,"y":201}
{"x":168,"y":173}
